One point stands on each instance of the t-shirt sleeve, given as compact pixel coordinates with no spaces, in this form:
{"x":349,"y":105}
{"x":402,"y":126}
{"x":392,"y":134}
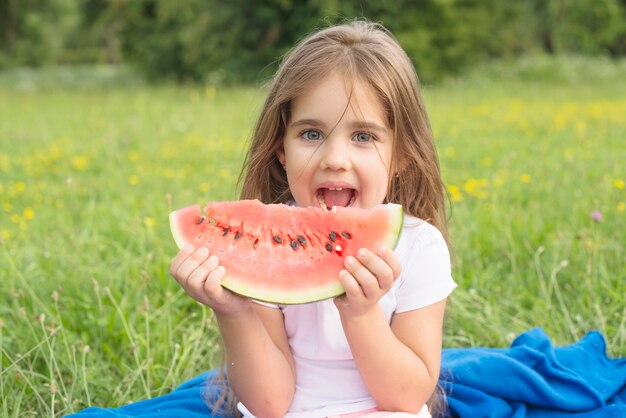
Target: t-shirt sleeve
{"x":426,"y":275}
{"x":266,"y":304}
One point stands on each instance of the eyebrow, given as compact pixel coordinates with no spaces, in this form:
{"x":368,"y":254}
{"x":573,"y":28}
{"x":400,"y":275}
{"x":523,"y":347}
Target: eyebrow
{"x":368,"y":126}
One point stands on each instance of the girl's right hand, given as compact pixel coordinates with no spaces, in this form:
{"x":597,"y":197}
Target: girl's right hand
{"x":200,"y":274}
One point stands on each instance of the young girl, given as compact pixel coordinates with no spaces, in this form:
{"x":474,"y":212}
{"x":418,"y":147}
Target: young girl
{"x":343,"y":125}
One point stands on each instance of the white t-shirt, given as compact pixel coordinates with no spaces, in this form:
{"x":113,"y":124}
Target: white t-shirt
{"x":327,"y":380}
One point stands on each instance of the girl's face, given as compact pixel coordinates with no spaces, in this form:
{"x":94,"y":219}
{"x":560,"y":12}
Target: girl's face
{"x":337,"y":147}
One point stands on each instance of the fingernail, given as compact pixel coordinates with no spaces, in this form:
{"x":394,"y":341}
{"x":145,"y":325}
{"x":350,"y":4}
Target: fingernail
{"x":188,"y":248}
{"x":361,"y":253}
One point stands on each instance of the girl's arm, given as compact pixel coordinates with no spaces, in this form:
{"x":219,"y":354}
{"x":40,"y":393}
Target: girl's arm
{"x":399,"y":363}
{"x":259,"y":363}
{"x":259,"y":366}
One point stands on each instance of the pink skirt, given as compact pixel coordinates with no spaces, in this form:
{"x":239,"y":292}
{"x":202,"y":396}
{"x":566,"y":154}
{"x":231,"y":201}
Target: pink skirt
{"x":376,"y":413}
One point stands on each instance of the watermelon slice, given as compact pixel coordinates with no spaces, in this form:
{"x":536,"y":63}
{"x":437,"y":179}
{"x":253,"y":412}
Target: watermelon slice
{"x":284,"y":254}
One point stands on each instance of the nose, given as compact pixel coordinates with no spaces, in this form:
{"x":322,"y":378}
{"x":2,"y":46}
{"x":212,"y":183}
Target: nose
{"x":335,"y":154}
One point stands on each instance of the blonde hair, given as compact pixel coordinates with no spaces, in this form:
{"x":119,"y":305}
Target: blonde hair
{"x":367,"y":52}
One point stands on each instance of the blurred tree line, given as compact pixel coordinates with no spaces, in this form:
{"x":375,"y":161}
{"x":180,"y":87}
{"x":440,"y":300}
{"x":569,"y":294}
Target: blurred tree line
{"x":236,"y":41}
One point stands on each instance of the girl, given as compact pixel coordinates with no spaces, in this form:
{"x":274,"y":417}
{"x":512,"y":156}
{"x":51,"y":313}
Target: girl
{"x":343,"y":125}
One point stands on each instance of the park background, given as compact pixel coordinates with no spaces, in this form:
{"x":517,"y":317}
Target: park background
{"x":113,"y":113}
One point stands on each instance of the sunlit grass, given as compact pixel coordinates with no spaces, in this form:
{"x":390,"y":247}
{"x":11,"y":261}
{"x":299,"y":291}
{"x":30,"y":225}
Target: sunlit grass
{"x":90,"y":316}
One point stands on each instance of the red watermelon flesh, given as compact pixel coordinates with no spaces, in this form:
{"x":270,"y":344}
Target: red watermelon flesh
{"x":284,"y":254}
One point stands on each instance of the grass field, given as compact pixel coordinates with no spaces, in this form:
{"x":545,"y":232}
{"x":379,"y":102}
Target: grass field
{"x":89,"y":172}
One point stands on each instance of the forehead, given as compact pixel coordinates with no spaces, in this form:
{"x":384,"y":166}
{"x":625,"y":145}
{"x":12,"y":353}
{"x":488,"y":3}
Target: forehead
{"x":337,"y":97}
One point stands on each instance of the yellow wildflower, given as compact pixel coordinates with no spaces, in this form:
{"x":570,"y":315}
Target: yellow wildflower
{"x":133,"y":180}
{"x":80,"y":162}
{"x":204,"y":187}
{"x":621,"y":206}
{"x":455,"y":193}
{"x":224,"y":173}
{"x":133,"y":156}
{"x":29,"y":213}
{"x":149,"y":222}
{"x":525,"y":178}
{"x":19,"y":187}
{"x":619,"y":184}
{"x":476,"y":187}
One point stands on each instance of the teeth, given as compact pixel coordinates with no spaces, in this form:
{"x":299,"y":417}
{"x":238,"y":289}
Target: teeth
{"x":335,"y":188}
{"x":320,"y":200}
{"x":351,"y":201}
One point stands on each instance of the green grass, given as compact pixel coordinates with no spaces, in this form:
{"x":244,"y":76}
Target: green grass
{"x":89,"y":173}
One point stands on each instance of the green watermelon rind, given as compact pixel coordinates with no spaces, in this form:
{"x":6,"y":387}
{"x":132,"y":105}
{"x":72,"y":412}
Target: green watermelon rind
{"x":231,"y":283}
{"x":398,"y":223}
{"x":333,"y":289}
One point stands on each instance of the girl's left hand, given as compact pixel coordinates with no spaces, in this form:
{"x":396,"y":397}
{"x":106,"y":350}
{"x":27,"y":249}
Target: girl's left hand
{"x":366,"y":278}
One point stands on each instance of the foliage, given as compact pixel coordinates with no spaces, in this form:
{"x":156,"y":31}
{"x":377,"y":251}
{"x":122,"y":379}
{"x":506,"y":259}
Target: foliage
{"x":213,"y":41}
{"x":89,"y":172}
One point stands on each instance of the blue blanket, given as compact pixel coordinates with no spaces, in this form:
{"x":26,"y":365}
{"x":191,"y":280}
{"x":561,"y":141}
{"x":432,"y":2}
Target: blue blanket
{"x":531,"y":379}
{"x":534,"y":379}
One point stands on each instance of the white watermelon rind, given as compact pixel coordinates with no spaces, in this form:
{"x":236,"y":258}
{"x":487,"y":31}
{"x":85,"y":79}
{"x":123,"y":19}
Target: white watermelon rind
{"x":332,"y":289}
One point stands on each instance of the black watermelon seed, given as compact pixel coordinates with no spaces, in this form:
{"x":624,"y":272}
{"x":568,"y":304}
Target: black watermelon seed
{"x":346,"y":235}
{"x":278,"y":239}
{"x":333,"y":236}
{"x":329,"y":247}
{"x":238,"y":235}
{"x":200,"y":220}
{"x":301,"y":240}
{"x":294,"y":245}
{"x":226,"y":230}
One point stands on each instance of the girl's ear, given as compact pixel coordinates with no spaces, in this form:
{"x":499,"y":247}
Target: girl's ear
{"x":280,"y":154}
{"x":399,"y":167}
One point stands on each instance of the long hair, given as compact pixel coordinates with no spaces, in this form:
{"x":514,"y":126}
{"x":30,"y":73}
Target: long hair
{"x":369,"y":53}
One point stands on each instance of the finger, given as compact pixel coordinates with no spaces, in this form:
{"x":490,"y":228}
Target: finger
{"x":392,"y":260}
{"x":195,"y":281}
{"x":182,"y":255}
{"x":350,"y":286}
{"x":379,"y":275}
{"x":191,"y":263}
{"x":213,"y":285}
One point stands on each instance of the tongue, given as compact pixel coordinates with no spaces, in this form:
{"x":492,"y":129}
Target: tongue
{"x":337,"y":197}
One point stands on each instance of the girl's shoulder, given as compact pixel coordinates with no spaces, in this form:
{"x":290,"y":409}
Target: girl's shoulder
{"x":418,"y":232}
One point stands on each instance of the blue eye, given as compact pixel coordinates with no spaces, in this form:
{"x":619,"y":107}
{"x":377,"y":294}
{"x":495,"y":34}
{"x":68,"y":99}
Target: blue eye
{"x":311,"y":135}
{"x":363,"y":137}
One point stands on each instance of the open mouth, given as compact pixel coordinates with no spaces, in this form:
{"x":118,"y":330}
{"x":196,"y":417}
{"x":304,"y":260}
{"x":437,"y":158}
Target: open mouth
{"x":335,"y":196}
